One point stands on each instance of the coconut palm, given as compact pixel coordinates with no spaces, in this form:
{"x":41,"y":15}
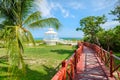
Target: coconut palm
{"x":18,"y":15}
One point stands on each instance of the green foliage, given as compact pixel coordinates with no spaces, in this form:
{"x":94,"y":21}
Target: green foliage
{"x":110,"y":39}
{"x":46,"y":22}
{"x":116,"y":44}
{"x":32,"y":17}
{"x":105,"y":38}
{"x":18,"y":15}
{"x":116,"y":12}
{"x":91,"y":25}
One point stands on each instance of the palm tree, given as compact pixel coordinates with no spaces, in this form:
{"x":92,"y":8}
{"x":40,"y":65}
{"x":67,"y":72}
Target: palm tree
{"x":18,"y":15}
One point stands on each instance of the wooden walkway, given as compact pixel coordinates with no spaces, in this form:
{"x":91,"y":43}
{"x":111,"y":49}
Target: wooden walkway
{"x":89,"y":64}
{"x":91,"y":67}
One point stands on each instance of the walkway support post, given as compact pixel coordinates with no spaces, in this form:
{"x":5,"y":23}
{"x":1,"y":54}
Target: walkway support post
{"x":111,"y":64}
{"x":75,"y":60}
{"x":63,"y":66}
{"x":72,"y":70}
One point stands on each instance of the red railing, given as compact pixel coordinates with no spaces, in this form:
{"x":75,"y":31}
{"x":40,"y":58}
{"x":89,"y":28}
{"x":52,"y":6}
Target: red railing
{"x":111,"y":61}
{"x":69,"y":67}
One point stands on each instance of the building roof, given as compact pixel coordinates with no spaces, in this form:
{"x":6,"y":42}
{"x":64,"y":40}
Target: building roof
{"x":50,"y":31}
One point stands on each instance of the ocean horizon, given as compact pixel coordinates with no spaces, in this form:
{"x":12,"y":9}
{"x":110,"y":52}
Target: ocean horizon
{"x":65,"y":38}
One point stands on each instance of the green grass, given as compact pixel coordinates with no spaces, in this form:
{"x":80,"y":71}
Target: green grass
{"x":117,"y":62}
{"x":42,"y":61}
{"x":117,"y":54}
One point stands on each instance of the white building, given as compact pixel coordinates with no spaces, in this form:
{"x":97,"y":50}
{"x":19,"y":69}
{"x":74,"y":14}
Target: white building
{"x":51,"y":37}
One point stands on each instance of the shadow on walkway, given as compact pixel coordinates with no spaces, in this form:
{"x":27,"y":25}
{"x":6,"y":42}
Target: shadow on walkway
{"x":92,"y":69}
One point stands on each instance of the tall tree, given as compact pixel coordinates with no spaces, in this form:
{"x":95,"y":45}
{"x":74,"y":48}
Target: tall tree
{"x":110,"y":39}
{"x":116,"y":30}
{"x":90,"y":26}
{"x":116,"y":39}
{"x":18,"y":15}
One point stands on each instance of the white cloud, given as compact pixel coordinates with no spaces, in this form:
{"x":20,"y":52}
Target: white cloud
{"x":47,"y":7}
{"x":102,"y":4}
{"x":44,"y":7}
{"x":76,"y":5}
{"x":64,"y":12}
{"x":72,"y":16}
{"x":110,"y":24}
{"x":57,"y":6}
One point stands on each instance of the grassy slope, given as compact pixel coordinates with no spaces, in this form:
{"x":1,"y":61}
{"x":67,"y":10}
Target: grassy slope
{"x":42,"y":61}
{"x":45,"y":60}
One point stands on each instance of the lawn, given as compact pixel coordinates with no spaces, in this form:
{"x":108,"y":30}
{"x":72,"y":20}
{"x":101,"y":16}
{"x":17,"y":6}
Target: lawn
{"x":42,"y":61}
{"x":117,"y":53}
{"x":117,"y":62}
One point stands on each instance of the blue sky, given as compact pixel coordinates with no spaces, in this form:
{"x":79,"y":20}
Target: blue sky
{"x":69,"y":13}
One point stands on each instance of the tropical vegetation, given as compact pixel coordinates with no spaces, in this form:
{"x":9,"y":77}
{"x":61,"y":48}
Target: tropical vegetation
{"x":17,"y":15}
{"x":42,"y":62}
{"x":90,"y":26}
{"x":94,"y":33}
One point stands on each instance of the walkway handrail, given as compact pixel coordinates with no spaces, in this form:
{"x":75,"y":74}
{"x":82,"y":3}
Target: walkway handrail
{"x":69,"y":67}
{"x":111,"y":61}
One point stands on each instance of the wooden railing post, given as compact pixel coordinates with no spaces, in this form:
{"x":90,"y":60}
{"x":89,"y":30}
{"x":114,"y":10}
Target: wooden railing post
{"x":82,"y":46}
{"x":72,"y":70}
{"x":75,"y":60}
{"x":111,"y":64}
{"x":100,"y":53}
{"x":64,"y":63}
{"x":64,"y":66}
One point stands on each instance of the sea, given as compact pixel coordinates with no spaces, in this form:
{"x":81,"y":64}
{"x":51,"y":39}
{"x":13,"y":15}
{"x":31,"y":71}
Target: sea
{"x":64,"y":38}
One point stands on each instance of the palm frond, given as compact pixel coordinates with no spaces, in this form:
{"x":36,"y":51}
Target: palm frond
{"x":30,"y":37}
{"x":33,"y":17}
{"x":26,"y":7}
{"x":5,"y":10}
{"x":16,"y":10}
{"x":25,"y":36}
{"x":21,"y":64}
{"x":20,"y":46}
{"x":22,"y":35}
{"x":51,"y":22}
{"x":16,"y":16}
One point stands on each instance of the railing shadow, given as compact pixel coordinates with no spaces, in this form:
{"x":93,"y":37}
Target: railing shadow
{"x":63,"y":51}
{"x":50,"y":72}
{"x":111,"y":61}
{"x":92,"y":73}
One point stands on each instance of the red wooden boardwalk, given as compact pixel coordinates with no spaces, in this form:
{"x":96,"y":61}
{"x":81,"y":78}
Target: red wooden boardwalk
{"x":92,"y":67}
{"x":90,"y":62}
